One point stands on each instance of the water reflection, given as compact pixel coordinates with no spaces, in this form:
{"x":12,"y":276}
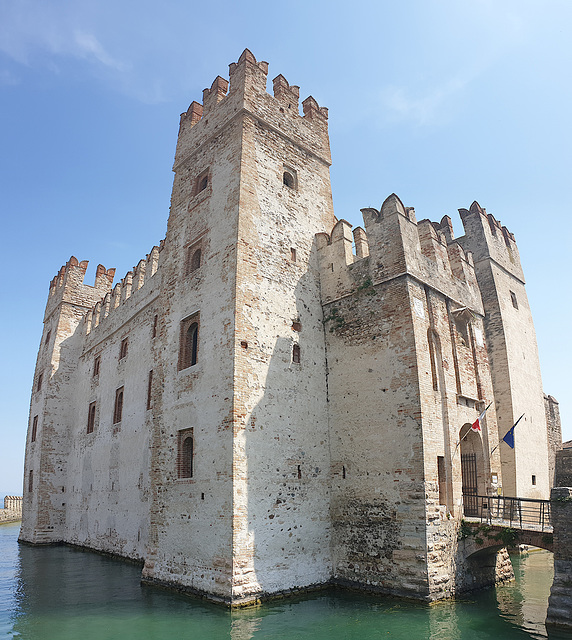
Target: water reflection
{"x":61,"y":593}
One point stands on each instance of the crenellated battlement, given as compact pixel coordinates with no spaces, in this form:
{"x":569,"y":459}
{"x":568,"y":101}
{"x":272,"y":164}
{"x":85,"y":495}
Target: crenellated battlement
{"x":486,"y":237}
{"x":246,"y":90}
{"x":392,"y":244}
{"x":68,"y":285}
{"x":133,"y":281}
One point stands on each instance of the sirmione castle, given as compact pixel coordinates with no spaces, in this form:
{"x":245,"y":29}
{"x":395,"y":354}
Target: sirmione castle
{"x":271,"y":400}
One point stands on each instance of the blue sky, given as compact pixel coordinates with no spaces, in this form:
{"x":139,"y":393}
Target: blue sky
{"x":441,"y":101}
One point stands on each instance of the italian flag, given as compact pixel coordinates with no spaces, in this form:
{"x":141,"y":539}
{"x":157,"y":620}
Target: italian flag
{"x":476,"y":426}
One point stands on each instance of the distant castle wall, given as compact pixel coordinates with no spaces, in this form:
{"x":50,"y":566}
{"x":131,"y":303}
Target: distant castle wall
{"x":12,"y":511}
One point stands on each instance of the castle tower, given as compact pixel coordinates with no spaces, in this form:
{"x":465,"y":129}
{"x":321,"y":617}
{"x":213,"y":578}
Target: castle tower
{"x":51,"y":407}
{"x":513,"y":351}
{"x":251,"y":189}
{"x":407,"y":376}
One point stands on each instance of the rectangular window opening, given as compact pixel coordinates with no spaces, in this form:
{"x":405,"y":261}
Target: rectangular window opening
{"x":442,"y":479}
{"x":149,"y":388}
{"x":513,"y":299}
{"x":123,"y":348}
{"x":34,"y":428}
{"x":96,"y":365}
{"x":154,"y":332}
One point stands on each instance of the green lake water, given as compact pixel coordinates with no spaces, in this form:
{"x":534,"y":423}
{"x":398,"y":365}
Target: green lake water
{"x":60,"y":593}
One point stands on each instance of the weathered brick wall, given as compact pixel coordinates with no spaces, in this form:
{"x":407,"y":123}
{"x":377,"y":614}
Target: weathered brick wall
{"x":554,"y":426}
{"x":559,"y":613}
{"x":563,"y":468}
{"x":397,"y":403}
{"x":513,"y":353}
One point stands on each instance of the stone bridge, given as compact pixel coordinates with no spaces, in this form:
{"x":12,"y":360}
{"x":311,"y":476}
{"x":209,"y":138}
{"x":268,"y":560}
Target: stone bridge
{"x":546,"y":524}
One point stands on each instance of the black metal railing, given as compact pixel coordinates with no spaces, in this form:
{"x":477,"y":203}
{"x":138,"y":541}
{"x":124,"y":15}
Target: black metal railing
{"x":521,"y":513}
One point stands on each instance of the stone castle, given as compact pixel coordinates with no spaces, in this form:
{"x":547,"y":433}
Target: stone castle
{"x":270,"y":400}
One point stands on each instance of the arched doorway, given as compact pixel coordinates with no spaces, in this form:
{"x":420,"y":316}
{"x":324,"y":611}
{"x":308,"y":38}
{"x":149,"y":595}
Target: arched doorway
{"x":472,"y":469}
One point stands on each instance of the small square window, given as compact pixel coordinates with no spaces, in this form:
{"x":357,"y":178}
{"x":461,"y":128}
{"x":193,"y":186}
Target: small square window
{"x":513,"y":299}
{"x":202,"y":182}
{"x":290,"y":178}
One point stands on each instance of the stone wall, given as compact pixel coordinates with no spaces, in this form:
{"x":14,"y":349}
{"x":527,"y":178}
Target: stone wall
{"x":12,"y":511}
{"x":560,"y":602}
{"x":563,"y":468}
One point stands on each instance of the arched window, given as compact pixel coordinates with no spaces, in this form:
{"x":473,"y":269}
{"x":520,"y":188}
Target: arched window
{"x":195,"y":260}
{"x":118,"y":409}
{"x":189,"y":345}
{"x":91,"y":418}
{"x":288,"y":179}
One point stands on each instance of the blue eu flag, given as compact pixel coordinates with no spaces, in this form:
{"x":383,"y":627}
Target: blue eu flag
{"x":509,"y":437}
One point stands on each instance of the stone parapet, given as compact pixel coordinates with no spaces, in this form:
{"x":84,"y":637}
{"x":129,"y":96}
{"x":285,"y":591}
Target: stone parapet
{"x":12,"y":511}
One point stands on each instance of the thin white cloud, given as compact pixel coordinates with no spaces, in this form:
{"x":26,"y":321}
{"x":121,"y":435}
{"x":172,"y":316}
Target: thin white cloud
{"x":89,"y":46}
{"x":32,"y":31}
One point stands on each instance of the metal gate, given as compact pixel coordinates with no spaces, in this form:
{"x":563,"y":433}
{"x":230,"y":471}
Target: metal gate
{"x":469,"y":475}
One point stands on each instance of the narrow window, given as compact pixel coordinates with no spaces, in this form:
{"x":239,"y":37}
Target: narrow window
{"x":154,"y":332}
{"x":48,"y":336}
{"x":344,"y":473}
{"x":34,"y":429}
{"x":91,"y":418}
{"x":195,"y":262}
{"x":185,"y":455}
{"x":149,"y":387}
{"x":96,"y":364}
{"x":201,"y":182}
{"x":513,"y":299}
{"x":293,"y":254}
{"x":533,"y":479}
{"x":299,"y":472}
{"x":288,"y":179}
{"x":123,"y":348}
{"x":118,"y":408}
{"x":39,"y":385}
{"x":442,"y":479}
{"x":189,"y":343}
{"x":30,"y":481}
{"x":296,"y":353}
